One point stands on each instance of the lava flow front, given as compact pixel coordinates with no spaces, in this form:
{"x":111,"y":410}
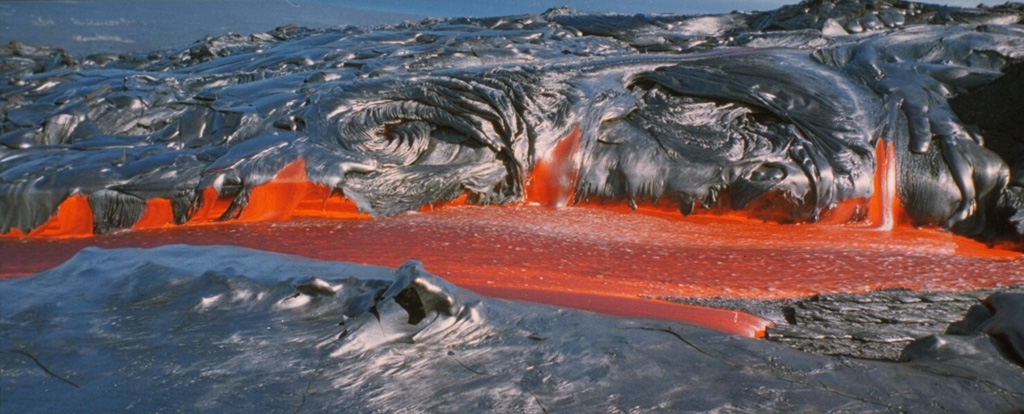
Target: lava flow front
{"x":600,"y":259}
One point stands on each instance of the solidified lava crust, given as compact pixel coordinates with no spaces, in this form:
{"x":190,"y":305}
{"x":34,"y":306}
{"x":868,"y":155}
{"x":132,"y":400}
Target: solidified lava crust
{"x":872,"y":325}
{"x":846,"y":166}
{"x":196,"y":328}
{"x":777,"y":114}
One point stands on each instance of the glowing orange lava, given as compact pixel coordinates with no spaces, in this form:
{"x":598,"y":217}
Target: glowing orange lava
{"x":289,"y":194}
{"x":885,"y":210}
{"x":73,"y":218}
{"x":599,"y":259}
{"x":605,"y":258}
{"x":554,"y":176}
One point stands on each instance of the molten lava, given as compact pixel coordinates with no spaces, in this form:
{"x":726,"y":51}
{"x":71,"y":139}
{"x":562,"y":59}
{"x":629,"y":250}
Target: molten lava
{"x":604,"y":258}
{"x":601,"y":260}
{"x":72,"y":219}
{"x":885,"y":209}
{"x":554,"y":176}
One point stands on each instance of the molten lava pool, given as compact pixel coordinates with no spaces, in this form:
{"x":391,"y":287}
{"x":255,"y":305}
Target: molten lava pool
{"x":600,"y":259}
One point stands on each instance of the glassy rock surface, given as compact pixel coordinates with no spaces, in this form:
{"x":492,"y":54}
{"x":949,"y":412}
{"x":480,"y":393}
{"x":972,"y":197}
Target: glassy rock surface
{"x":776,"y":113}
{"x":227,"y":329}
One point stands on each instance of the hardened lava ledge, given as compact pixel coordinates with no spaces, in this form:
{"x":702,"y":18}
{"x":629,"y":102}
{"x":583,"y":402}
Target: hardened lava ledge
{"x":777,"y":114}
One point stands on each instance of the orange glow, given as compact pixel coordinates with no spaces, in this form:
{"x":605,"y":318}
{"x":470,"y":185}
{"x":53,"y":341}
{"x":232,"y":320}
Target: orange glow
{"x":882,"y":211}
{"x":72,"y":219}
{"x":277,"y":199}
{"x":158,"y":214}
{"x":885,"y":209}
{"x":289,"y":194}
{"x":461,"y":200}
{"x":602,"y":257}
{"x":211,"y":207}
{"x":601,"y":260}
{"x":554,"y":175}
{"x":321,"y":202}
{"x":719,"y":319}
{"x":846,"y":211}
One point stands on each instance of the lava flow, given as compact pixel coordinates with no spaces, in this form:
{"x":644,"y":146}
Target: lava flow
{"x":554,"y":176}
{"x":603,"y":258}
{"x":600,"y":259}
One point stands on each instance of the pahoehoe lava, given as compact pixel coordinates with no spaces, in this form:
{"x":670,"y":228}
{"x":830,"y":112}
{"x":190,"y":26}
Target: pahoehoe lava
{"x":826,"y":111}
{"x":774,"y":113}
{"x":229,"y":329}
{"x":874,"y":325}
